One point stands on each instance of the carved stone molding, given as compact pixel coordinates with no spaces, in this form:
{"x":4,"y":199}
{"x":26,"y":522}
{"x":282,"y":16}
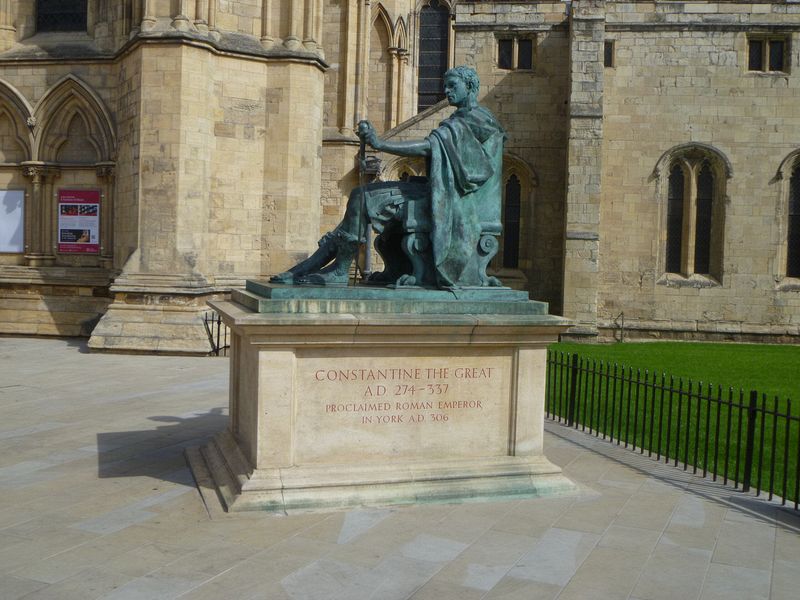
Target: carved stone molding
{"x":106,"y":171}
{"x":40,"y":173}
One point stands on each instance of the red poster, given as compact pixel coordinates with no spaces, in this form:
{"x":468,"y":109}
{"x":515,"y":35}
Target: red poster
{"x":79,"y":221}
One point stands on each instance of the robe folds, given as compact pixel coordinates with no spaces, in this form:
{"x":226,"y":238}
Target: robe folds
{"x":464,"y":179}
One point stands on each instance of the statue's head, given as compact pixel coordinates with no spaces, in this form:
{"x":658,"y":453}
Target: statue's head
{"x":468,"y":75}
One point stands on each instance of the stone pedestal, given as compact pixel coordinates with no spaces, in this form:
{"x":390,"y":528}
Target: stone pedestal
{"x":332,"y":409}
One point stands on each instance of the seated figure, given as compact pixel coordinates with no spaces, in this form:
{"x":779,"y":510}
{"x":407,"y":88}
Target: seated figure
{"x":438,"y":232}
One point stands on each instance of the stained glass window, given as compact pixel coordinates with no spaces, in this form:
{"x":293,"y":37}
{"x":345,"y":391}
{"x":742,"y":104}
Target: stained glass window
{"x":675,"y":220}
{"x":511,"y":223}
{"x":705,"y":199}
{"x":434,"y":41}
{"x":61,"y":15}
{"x":793,"y":250}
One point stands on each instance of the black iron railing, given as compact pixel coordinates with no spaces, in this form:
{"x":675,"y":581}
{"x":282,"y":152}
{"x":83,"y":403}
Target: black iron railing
{"x":742,"y":437}
{"x":217,"y":333}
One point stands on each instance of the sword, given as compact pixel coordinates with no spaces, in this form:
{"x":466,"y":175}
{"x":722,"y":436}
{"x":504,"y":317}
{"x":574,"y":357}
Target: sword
{"x":363,"y":127}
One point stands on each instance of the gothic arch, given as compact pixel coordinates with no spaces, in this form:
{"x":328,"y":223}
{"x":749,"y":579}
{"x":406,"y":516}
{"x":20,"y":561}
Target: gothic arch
{"x":382,"y":70}
{"x":517,"y":228}
{"x":691,"y":188}
{"x":788,"y":164}
{"x":691,"y":150}
{"x":394,"y":168}
{"x":787,"y":213}
{"x":380,"y":12}
{"x":69,"y":142}
{"x":400,"y":34}
{"x":450,"y":4}
{"x":514,"y":165}
{"x":17,"y":110}
{"x":56,"y":111}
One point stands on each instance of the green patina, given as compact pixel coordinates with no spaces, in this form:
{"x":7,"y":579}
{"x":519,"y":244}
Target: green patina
{"x":439,"y":232}
{"x":274,"y":299}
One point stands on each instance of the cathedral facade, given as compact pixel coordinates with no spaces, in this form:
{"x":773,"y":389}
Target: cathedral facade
{"x":155,"y":154}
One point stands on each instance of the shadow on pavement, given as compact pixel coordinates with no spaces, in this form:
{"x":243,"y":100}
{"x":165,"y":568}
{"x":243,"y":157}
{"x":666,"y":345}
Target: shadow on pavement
{"x":770,"y":512}
{"x":158,"y":452}
{"x":78,"y":343}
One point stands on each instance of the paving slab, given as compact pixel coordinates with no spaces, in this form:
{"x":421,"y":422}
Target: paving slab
{"x":96,"y":501}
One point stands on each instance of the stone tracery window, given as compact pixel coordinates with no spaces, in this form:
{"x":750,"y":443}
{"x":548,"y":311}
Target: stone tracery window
{"x":518,"y":184}
{"x":694,"y":215}
{"x":61,"y":15}
{"x":511,"y":222}
{"x":793,"y":225}
{"x":434,"y":45}
{"x":674,"y":220}
{"x":703,"y":220}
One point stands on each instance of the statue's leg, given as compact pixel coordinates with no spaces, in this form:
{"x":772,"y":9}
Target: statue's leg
{"x":351,"y":227}
{"x":345,"y":239}
{"x":354,"y":222}
{"x":338,"y":272}
{"x":324,"y":254}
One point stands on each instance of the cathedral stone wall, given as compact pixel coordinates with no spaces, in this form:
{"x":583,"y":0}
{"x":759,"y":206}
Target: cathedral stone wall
{"x":681,"y":78}
{"x":531,"y":106}
{"x":200,"y":125}
{"x":220,"y":136}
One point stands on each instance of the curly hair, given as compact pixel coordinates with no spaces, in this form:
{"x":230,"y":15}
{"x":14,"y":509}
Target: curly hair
{"x":468,"y":75}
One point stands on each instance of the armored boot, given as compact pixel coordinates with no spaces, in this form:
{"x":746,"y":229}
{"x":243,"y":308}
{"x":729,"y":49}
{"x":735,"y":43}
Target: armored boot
{"x":324,"y":254}
{"x":338,"y":272}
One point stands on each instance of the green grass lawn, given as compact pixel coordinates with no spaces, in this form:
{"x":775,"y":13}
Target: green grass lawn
{"x":770,"y":369}
{"x":694,"y":425}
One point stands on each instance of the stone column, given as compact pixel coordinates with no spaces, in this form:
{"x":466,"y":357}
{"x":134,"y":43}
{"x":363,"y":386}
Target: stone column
{"x":267,"y":38}
{"x":362,"y":61}
{"x":8,"y":33}
{"x":393,"y":84}
{"x":149,"y":17}
{"x":348,"y":69}
{"x":402,"y":66}
{"x":212,"y":15}
{"x":293,"y":40}
{"x":318,"y":11}
{"x":136,"y":17}
{"x":183,"y":20}
{"x":582,"y":218}
{"x":40,"y":240}
{"x":308,"y":26}
{"x":396,"y":84}
{"x":201,"y":13}
{"x":105,"y":173}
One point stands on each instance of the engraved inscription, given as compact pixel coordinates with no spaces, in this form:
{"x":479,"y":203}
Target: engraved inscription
{"x":395,"y":403}
{"x":431,"y":383}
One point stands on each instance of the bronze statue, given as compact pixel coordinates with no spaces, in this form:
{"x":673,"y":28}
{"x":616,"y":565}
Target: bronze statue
{"x":441,"y":232}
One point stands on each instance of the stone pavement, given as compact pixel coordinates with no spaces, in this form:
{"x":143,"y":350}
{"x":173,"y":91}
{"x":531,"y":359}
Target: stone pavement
{"x":96,"y":501}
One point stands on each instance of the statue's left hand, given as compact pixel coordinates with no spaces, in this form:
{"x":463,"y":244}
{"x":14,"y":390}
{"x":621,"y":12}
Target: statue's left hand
{"x":366,"y":132}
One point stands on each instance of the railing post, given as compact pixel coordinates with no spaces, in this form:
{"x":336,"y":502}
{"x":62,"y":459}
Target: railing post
{"x":573,"y":390}
{"x":751,"y":439}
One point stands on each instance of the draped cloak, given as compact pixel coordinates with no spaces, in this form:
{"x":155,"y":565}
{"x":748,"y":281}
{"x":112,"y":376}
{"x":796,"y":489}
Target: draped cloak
{"x":463,"y":174}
